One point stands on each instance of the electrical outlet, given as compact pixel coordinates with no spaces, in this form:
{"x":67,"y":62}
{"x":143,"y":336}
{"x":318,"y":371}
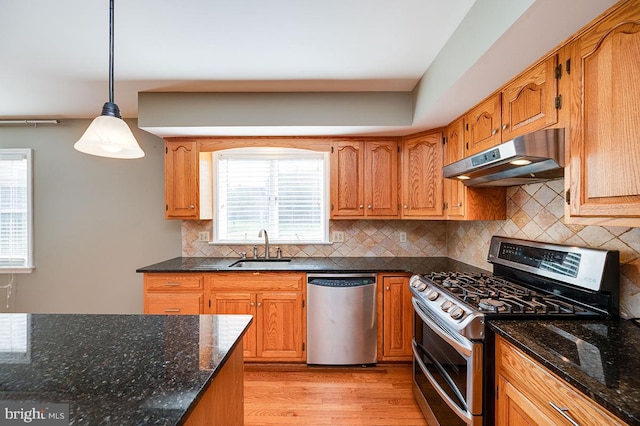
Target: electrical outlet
{"x":337,"y":237}
{"x":403,"y":237}
{"x":203,"y":236}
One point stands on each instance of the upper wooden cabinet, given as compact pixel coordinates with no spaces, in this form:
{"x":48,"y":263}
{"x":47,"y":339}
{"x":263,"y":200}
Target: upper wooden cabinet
{"x":462,"y":202}
{"x":483,"y":126}
{"x":604,"y":165}
{"x":364,"y":179}
{"x":181,"y":179}
{"x":422,"y":192}
{"x":530,"y":102}
{"x":454,"y":189}
{"x":187,"y":181}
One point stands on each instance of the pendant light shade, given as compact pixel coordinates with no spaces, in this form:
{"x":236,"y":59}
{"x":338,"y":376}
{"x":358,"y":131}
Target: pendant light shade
{"x":108,"y":135}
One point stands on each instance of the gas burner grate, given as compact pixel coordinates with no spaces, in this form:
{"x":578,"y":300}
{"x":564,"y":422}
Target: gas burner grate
{"x":497,"y":295}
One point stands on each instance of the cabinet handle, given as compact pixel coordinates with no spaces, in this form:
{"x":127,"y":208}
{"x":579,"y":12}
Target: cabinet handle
{"x":191,"y":206}
{"x":563,"y":413}
{"x":494,"y":131}
{"x":172,"y":310}
{"x":388,"y":288}
{"x":252,"y":304}
{"x":362,"y":206}
{"x":259,"y":304}
{"x":172,"y":284}
{"x":457,"y":205}
{"x":504,"y":126}
{"x":406,"y":206}
{"x":369,"y":206}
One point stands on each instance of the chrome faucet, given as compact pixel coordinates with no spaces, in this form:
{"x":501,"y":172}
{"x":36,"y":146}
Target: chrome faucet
{"x":266,"y":242}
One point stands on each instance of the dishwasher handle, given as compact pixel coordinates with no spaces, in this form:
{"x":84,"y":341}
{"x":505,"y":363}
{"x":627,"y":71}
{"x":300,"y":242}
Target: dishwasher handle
{"x":345,"y":280}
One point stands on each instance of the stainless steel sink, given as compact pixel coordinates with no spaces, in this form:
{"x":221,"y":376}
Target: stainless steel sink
{"x":260,"y":263}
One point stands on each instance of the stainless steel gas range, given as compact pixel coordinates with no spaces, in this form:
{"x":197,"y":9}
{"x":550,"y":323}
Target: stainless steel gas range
{"x":453,"y":349}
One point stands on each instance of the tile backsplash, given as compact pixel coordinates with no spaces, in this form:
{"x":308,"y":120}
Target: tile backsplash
{"x":534,"y":212}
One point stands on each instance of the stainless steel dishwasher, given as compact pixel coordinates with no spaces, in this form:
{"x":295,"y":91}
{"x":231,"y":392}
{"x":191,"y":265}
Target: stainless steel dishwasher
{"x":341,"y":319}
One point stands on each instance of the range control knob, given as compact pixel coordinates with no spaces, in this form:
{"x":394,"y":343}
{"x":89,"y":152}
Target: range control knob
{"x":420,"y":286}
{"x":456,"y":312}
{"x":446,"y":305}
{"x":433,"y":295}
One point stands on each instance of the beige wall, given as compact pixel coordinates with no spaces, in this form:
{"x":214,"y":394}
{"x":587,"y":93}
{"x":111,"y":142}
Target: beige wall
{"x":95,"y":221}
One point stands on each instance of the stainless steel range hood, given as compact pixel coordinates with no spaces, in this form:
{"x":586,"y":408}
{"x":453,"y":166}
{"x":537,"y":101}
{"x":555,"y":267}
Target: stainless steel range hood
{"x":530,"y":158}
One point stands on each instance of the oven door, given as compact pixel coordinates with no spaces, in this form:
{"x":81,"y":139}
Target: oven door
{"x":447,"y":370}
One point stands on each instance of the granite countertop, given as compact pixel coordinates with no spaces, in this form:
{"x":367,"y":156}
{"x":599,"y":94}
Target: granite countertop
{"x":119,"y":369}
{"x":600,"y":358}
{"x":415,"y":265}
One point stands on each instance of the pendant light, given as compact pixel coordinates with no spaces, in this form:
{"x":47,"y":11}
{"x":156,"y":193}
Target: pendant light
{"x":108,"y":135}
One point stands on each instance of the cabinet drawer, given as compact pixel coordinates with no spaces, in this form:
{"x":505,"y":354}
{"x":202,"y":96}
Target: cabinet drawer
{"x":174,"y":282}
{"x":255,"y":281}
{"x":171,"y":303}
{"x":543,"y":388}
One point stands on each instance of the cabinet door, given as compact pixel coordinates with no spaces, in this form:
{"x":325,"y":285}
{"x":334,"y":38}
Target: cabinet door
{"x":381,"y":178}
{"x":529,"y":102}
{"x":347,"y":173}
{"x":454,"y":190}
{"x":422,"y":181}
{"x":483,"y":126}
{"x":238,"y":303}
{"x":514,"y":408}
{"x":173,"y":303}
{"x":397,"y":318}
{"x":279,"y":325}
{"x":605,"y":153}
{"x":181,"y":179}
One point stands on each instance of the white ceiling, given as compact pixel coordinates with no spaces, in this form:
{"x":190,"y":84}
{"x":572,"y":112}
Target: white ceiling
{"x":54,"y":54}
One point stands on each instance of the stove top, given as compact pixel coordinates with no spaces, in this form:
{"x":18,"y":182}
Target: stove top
{"x":498,"y":295}
{"x":529,"y":280}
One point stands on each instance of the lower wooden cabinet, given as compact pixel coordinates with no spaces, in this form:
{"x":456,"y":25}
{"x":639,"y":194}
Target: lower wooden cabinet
{"x":395,"y":314}
{"x":529,"y":394}
{"x":173,"y":293}
{"x":276,"y":301}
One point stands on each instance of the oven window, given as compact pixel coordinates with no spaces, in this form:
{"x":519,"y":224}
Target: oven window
{"x":447,"y":367}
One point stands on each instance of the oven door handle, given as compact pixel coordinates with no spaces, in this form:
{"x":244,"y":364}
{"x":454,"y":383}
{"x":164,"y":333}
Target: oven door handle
{"x":466,"y":350}
{"x":463,"y":414}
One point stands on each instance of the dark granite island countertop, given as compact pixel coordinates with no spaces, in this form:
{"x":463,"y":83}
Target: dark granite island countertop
{"x":415,"y":265}
{"x":120,"y":369}
{"x":599,"y":358}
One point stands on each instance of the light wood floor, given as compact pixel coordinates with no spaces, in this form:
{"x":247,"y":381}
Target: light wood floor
{"x":302,"y":395}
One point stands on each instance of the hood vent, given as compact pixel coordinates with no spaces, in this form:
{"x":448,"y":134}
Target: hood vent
{"x":534,"y":157}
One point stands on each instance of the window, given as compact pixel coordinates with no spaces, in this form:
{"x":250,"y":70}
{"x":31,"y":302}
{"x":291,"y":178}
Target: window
{"x":281,"y":190}
{"x":16,"y":211}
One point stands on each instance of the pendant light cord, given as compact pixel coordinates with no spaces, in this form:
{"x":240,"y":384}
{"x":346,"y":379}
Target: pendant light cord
{"x":110,"y":108}
{"x":111,"y":50}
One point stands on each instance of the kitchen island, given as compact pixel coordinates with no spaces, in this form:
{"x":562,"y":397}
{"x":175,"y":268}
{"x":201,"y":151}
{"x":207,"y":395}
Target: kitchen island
{"x":127,"y":369}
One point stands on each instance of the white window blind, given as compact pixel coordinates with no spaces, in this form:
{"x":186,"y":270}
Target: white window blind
{"x":16,"y":251}
{"x":282,"y":191}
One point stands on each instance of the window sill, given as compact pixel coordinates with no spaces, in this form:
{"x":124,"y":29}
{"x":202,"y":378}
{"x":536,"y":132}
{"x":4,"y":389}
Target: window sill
{"x":16,"y":269}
